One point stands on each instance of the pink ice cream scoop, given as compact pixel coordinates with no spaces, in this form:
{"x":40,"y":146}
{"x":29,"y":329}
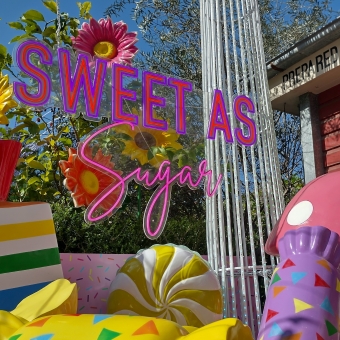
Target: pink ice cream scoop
{"x":317,"y":203}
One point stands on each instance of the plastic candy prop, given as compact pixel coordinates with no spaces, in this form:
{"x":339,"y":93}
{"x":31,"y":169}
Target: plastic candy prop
{"x":29,"y":255}
{"x":9,"y":155}
{"x":315,"y":204}
{"x":170,"y":282}
{"x":303,"y":300}
{"x":9,"y":324}
{"x":59,"y":297}
{"x":122,"y":327}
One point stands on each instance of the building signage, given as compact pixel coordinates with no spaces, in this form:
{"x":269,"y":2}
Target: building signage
{"x":308,"y":75}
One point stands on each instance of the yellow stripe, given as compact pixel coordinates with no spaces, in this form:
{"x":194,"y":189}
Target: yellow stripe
{"x":190,"y":316}
{"x":210,"y":299}
{"x":164,"y":256}
{"x":24,"y":230}
{"x":195,"y":267}
{"x":135,"y":270}
{"x":122,"y":300}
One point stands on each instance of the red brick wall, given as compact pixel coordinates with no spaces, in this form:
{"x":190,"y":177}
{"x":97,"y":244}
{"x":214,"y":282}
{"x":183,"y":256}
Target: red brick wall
{"x":329,"y":112}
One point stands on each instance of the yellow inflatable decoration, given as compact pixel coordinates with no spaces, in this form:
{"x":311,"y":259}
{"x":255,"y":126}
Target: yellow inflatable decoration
{"x":59,"y":297}
{"x":123,"y":327}
{"x":9,"y":324}
{"x":169,"y":282}
{"x":49,"y":314}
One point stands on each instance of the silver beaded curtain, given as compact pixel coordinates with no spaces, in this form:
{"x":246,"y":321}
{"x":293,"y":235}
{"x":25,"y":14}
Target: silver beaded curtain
{"x":250,"y":200}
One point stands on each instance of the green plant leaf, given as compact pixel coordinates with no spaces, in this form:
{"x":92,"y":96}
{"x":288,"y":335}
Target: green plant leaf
{"x":32,"y":180}
{"x":30,"y":159}
{"x":20,"y":160}
{"x":18,"y":128}
{"x":32,"y":14}
{"x":87,"y":6}
{"x":84,"y":8}
{"x":34,"y":28}
{"x":36,"y":165}
{"x":16,"y":25}
{"x":48,"y":31}
{"x":150,"y":154}
{"x":74,"y":23}
{"x":19,"y":37}
{"x":51,"y":5}
{"x":3,"y":50}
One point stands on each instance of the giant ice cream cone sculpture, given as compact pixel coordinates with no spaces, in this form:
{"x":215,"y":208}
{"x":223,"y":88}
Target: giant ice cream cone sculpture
{"x":303,"y":299}
{"x":9,"y":155}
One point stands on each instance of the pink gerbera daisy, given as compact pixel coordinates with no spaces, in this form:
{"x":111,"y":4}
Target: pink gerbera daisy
{"x":107,"y":40}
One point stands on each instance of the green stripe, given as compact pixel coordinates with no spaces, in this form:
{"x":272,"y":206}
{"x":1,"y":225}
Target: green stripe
{"x":29,"y":260}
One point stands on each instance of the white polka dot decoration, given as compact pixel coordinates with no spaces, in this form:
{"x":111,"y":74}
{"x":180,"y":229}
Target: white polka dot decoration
{"x":300,"y":213}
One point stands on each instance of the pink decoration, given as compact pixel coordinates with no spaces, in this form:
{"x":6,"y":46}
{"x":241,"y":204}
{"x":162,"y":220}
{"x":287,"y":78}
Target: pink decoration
{"x":105,"y":30}
{"x":316,"y":204}
{"x":159,"y":201}
{"x":94,"y":273}
{"x":9,"y":155}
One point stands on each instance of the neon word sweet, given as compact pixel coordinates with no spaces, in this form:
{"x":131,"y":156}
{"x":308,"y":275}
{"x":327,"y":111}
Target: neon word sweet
{"x":80,"y":81}
{"x":154,"y":223}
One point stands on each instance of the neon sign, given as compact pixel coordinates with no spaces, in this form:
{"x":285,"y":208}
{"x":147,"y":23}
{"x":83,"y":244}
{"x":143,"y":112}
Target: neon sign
{"x":159,"y":200}
{"x":168,"y":105}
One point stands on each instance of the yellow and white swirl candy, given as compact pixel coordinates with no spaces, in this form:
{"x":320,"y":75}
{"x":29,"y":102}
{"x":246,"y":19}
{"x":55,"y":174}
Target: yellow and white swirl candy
{"x":169,"y":282}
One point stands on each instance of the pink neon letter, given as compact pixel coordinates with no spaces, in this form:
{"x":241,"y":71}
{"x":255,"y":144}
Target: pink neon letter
{"x":222,"y":123}
{"x":149,"y":100}
{"x":71,"y":85}
{"x":239,"y":102}
{"x":159,"y":201}
{"x":119,"y":93}
{"x":181,"y":86}
{"x":44,"y":83}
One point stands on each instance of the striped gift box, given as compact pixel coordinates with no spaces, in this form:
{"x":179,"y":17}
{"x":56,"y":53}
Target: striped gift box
{"x":29,"y":255}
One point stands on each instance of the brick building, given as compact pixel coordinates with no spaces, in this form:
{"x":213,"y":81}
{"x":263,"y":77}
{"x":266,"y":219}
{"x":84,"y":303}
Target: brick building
{"x":305,"y":81}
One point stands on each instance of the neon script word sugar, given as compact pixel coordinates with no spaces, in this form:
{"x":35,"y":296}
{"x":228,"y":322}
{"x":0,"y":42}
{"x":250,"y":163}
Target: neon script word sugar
{"x":157,"y":209}
{"x":79,"y":80}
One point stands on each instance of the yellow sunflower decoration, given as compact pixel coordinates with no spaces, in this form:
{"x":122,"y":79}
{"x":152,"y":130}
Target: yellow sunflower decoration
{"x":143,"y":140}
{"x":6,"y":100}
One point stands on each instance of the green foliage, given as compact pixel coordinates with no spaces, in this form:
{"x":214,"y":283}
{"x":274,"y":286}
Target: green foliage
{"x":46,"y":135}
{"x":85,"y":9}
{"x":33,"y":15}
{"x":51,"y":5}
{"x":123,"y":232}
{"x":5,"y":58}
{"x":29,"y":22}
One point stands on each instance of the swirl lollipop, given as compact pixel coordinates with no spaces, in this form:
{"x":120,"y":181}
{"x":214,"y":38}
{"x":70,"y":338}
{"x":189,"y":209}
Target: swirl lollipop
{"x":170,"y":282}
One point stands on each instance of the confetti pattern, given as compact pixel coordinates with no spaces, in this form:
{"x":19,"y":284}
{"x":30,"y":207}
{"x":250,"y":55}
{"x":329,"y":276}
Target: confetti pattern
{"x":94,"y":273}
{"x":303,"y":299}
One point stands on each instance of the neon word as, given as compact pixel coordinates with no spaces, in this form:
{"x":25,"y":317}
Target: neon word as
{"x":219,"y":119}
{"x":154,"y":223}
{"x":79,"y":80}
